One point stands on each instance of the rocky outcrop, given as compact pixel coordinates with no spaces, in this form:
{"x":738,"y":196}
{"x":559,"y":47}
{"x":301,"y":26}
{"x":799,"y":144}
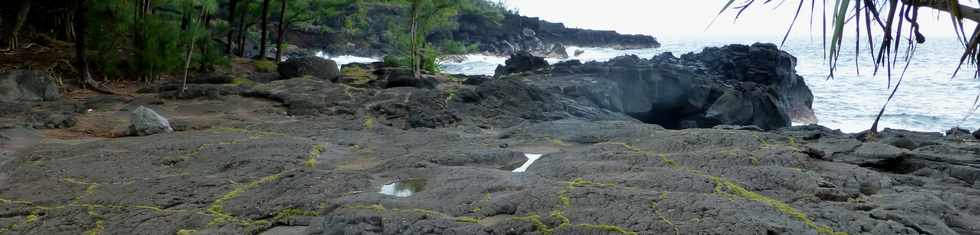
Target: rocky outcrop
{"x":316,"y":67}
{"x":27,"y":85}
{"x":762,"y":64}
{"x":689,"y":92}
{"x":520,"y":62}
{"x":144,"y":121}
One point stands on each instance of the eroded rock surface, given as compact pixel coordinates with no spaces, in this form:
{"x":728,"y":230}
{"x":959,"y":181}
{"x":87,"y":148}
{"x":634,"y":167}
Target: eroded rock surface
{"x":311,"y":156}
{"x":323,"y":175}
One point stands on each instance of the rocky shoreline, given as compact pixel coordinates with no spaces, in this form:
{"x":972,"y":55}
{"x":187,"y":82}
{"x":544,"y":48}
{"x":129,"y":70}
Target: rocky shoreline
{"x":312,"y":150}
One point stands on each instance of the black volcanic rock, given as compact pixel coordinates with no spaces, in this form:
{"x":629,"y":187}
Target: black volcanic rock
{"x":520,"y":62}
{"x":697,"y":90}
{"x":28,"y":85}
{"x":764,"y":64}
{"x":309,"y":66}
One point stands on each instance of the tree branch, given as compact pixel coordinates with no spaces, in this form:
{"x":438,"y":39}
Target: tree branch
{"x":966,"y":12}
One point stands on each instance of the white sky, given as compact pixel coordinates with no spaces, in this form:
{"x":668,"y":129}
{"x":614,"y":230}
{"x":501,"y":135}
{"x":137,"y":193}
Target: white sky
{"x":679,"y":19}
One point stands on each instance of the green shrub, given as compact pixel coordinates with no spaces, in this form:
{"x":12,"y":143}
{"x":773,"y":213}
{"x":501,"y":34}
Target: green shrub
{"x":265,"y":66}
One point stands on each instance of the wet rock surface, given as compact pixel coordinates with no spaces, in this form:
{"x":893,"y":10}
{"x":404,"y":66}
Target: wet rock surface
{"x":312,"y":156}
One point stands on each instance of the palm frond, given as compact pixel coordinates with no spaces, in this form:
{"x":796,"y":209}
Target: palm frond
{"x":897,"y":21}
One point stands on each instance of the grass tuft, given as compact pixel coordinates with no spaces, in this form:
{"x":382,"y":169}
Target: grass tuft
{"x":314,"y":154}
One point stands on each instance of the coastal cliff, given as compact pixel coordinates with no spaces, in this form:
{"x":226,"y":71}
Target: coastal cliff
{"x":510,"y":34}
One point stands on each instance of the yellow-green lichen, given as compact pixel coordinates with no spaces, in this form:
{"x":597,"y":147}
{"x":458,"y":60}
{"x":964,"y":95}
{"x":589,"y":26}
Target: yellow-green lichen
{"x":186,"y":231}
{"x":217,"y":207}
{"x":564,"y":199}
{"x":667,"y":161}
{"x":562,"y":219}
{"x":730,"y":188}
{"x":374,"y":207}
{"x":33,"y":217}
{"x":535,"y":220}
{"x":467,"y":219}
{"x":369,"y":122}
{"x":243,"y":82}
{"x":99,"y":227}
{"x":425,"y":212}
{"x":607,"y":228}
{"x":357,"y":75}
{"x":626,"y":146}
{"x":293,"y":212}
{"x":654,"y":204}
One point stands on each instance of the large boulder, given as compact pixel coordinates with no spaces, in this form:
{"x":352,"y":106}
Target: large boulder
{"x":520,"y":62}
{"x":976,"y":134}
{"x":668,"y":91}
{"x":144,"y":121}
{"x":316,"y":67}
{"x":765,"y":64}
{"x":27,"y":85}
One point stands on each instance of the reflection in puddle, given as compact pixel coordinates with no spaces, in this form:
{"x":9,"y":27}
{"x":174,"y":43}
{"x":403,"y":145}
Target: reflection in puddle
{"x":530,"y":159}
{"x":403,"y":188}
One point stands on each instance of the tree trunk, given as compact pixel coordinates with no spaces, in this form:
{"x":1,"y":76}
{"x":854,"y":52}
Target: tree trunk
{"x":207,"y":39}
{"x":85,"y":76}
{"x":265,"y":28}
{"x":282,"y":28}
{"x":25,"y":7}
{"x":190,"y":54}
{"x":231,"y":29}
{"x":414,"y":33}
{"x":242,"y":29}
{"x":80,"y":24}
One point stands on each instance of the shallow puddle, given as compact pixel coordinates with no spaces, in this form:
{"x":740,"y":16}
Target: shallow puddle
{"x":530,"y":160}
{"x":403,"y":188}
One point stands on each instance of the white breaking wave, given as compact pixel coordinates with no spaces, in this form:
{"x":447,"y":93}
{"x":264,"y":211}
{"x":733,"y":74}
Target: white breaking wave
{"x":347,"y":59}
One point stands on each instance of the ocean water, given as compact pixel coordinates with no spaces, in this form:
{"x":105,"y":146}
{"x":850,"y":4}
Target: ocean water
{"x":929,"y":99}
